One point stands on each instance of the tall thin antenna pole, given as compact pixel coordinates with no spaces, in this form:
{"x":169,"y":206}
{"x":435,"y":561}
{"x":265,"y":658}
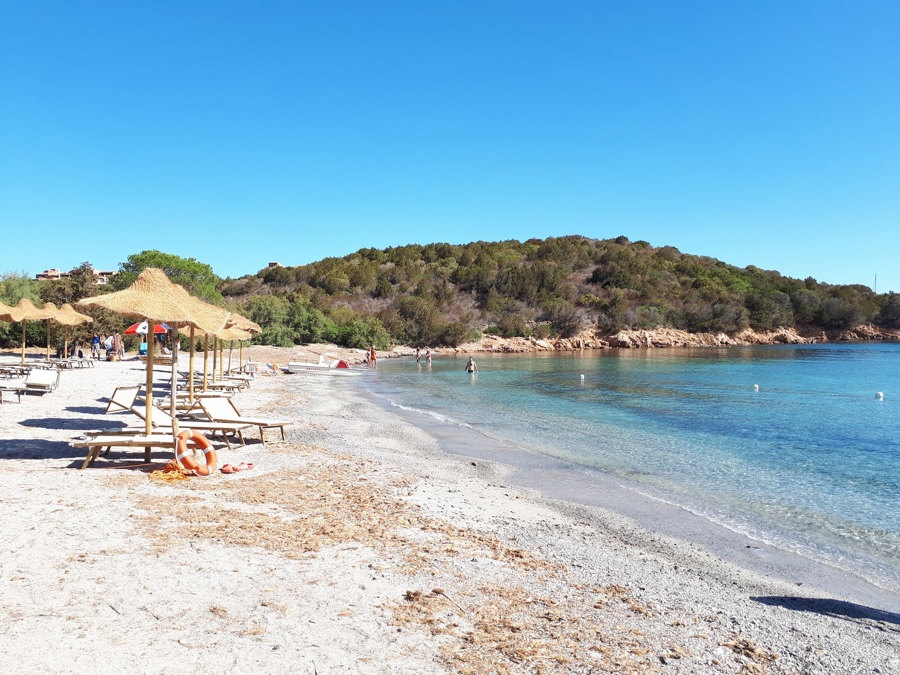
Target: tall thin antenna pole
{"x":875,"y":287}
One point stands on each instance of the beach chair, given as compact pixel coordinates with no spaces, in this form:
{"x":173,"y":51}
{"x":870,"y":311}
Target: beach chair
{"x":123,"y":398}
{"x":163,"y":419}
{"x":242,"y":380}
{"x":41,"y":381}
{"x":221,"y":409}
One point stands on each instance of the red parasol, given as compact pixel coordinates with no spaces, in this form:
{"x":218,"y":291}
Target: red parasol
{"x":140,"y":328}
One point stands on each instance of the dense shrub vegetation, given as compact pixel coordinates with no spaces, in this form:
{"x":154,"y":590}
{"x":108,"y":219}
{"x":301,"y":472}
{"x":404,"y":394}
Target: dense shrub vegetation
{"x":443,"y":294}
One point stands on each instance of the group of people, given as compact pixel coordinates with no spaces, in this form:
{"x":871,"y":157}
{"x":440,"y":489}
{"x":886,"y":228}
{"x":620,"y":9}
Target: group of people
{"x":372,"y":357}
{"x":112,"y":345}
{"x":471,"y":366}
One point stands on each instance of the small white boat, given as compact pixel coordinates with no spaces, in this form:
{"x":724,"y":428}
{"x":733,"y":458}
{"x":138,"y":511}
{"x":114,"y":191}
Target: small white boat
{"x":323,"y":367}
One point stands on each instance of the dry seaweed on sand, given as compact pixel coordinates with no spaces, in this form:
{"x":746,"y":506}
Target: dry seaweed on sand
{"x":507,"y":629}
{"x":170,"y":473}
{"x":491,"y":607}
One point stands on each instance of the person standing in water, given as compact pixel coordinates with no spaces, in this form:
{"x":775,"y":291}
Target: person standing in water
{"x":471,"y":367}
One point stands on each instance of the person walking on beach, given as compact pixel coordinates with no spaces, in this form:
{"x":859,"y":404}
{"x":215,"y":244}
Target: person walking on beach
{"x":471,"y":367}
{"x":95,"y":346}
{"x":118,"y":346}
{"x":373,"y":357}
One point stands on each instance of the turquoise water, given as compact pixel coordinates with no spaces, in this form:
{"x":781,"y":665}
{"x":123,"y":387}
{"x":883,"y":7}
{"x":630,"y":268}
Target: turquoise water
{"x":809,"y":462}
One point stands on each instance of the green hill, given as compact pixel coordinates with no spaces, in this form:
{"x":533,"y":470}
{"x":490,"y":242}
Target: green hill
{"x":443,"y":294}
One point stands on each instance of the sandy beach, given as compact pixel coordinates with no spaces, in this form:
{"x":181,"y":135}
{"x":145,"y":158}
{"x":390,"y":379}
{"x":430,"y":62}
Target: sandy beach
{"x":358,"y":546}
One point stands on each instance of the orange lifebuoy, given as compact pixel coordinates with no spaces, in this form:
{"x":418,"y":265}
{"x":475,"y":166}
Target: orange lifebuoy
{"x":186,"y":458}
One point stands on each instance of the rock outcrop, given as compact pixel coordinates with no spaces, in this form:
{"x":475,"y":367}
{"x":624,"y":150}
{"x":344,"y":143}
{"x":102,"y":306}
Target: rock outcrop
{"x":662,"y":338}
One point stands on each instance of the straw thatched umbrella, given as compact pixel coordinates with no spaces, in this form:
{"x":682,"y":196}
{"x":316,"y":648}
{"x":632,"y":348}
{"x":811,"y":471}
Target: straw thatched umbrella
{"x":232,"y":333}
{"x":236,"y":328}
{"x":247,"y":327}
{"x":154,"y":297}
{"x":24,"y":311}
{"x":66,"y":316}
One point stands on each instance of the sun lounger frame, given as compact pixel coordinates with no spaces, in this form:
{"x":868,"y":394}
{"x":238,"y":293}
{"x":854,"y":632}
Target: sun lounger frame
{"x":95,"y":444}
{"x":233,"y":415}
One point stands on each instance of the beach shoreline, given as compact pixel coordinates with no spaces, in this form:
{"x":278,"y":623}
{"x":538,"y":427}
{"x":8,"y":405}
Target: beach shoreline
{"x":575,"y":487}
{"x":359,"y":545}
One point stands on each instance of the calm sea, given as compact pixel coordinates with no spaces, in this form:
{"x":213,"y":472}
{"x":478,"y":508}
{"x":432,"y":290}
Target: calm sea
{"x":791,"y":445}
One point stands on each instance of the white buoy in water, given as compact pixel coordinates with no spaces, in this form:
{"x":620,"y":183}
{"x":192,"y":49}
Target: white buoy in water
{"x":879,"y":395}
{"x":755,"y":387}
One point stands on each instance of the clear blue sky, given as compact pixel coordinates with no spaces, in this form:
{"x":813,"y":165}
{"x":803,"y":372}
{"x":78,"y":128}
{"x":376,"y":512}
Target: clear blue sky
{"x":238,"y":133}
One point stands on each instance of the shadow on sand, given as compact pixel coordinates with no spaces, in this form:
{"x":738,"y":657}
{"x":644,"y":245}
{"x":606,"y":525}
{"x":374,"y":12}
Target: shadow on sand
{"x":88,"y":410}
{"x":73,"y":424}
{"x":839,"y":609}
{"x":130,"y":458}
{"x":38,"y":449}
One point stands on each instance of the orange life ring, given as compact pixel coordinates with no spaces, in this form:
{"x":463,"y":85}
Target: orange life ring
{"x":186,"y":457}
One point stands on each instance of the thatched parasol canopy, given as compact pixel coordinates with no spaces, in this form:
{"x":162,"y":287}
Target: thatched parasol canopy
{"x":29,"y":312}
{"x":9,"y":314}
{"x":25,"y":311}
{"x":238,"y":327}
{"x":243,"y":323}
{"x":65,"y":315}
{"x":154,"y":297}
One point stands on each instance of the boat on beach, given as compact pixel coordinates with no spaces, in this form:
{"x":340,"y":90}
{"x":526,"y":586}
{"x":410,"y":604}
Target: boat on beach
{"x":323,"y":366}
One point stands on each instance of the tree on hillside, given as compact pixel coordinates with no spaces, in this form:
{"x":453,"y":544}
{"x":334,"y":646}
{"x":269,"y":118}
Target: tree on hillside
{"x":14,"y":286}
{"x":81,"y":283}
{"x":889,"y":314}
{"x":196,"y":277}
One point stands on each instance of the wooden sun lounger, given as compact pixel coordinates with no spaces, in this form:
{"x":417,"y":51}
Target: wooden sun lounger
{"x":162,"y":419}
{"x":72,"y":362}
{"x":41,"y":380}
{"x":95,"y":444}
{"x":224,"y":410}
{"x":14,"y":371}
{"x":38,"y":381}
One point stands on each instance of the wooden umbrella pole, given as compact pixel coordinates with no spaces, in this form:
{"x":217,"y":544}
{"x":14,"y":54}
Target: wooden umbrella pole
{"x":23,"y":341}
{"x":215,"y":356}
{"x":191,"y":369}
{"x":173,"y":347}
{"x":205,"y":357}
{"x":149,"y":384}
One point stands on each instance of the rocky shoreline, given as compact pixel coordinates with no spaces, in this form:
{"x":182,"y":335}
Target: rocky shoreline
{"x":663,"y":338}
